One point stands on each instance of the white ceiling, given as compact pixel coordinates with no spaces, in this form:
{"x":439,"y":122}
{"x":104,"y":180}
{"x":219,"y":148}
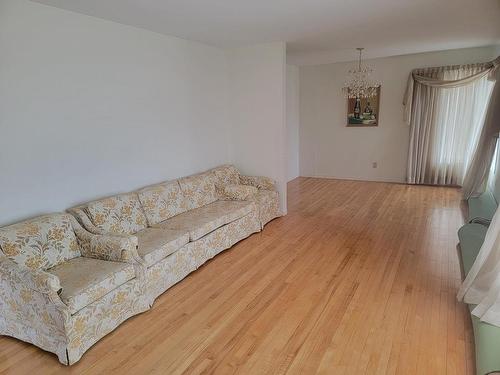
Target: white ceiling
{"x":316,"y":31}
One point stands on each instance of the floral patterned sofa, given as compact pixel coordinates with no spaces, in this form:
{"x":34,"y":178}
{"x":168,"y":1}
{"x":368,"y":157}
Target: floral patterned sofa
{"x":68,"y":280}
{"x":180,"y":224}
{"x":63,"y":288}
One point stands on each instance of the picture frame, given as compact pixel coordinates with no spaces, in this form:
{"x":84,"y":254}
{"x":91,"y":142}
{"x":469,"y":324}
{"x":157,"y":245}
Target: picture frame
{"x":368,"y":114}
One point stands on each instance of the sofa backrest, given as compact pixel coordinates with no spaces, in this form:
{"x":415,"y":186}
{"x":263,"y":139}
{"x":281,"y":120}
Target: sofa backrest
{"x":198,"y":189}
{"x":162,"y":201}
{"x":40,"y":243}
{"x":121,"y":214}
{"x":131,"y":212}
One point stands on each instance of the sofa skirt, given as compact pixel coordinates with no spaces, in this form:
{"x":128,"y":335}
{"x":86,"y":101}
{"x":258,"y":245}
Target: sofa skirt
{"x":169,"y":271}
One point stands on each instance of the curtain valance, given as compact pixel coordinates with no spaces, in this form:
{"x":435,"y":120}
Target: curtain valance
{"x":434,"y":77}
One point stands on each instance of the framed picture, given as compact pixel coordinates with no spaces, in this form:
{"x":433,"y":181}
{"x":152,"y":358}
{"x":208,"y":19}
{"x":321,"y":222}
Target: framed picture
{"x":362,"y":112}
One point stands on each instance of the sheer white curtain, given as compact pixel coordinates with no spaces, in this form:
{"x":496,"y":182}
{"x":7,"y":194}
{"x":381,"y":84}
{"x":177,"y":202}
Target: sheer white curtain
{"x":454,"y":136}
{"x":477,"y":173}
{"x":445,"y":108}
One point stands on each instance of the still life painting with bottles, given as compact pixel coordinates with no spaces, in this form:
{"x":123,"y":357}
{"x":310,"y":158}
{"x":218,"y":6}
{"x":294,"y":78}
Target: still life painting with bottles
{"x":363,"y":111}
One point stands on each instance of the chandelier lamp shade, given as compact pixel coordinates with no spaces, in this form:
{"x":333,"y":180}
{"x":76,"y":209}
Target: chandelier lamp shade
{"x":359,"y":83}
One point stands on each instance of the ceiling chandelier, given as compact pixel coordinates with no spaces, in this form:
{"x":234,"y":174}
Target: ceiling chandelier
{"x":359,"y":84}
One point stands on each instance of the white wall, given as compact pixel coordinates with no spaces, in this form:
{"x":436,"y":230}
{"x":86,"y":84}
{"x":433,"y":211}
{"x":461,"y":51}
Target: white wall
{"x":292,"y":120}
{"x":258,"y":129}
{"x":90,"y":108}
{"x":329,"y":149}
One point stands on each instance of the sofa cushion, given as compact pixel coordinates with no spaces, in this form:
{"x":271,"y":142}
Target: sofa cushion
{"x":260,"y":182}
{"x":156,"y":244}
{"x":198,"y":190}
{"x":40,"y":243}
{"x":226,"y":175}
{"x":85,"y":280}
{"x":119,"y":214}
{"x":162,"y":201}
{"x":203,"y":220}
{"x":239,"y":192}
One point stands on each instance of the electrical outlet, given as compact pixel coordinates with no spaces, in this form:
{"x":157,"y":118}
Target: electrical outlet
{"x":374,"y":164}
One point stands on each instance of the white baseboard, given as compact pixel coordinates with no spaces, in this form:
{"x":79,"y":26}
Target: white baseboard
{"x":388,"y":180}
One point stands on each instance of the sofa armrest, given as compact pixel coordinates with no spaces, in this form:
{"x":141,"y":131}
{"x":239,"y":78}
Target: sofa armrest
{"x":37,"y":280}
{"x":260,"y":182}
{"x":116,"y":248}
{"x":31,"y":299}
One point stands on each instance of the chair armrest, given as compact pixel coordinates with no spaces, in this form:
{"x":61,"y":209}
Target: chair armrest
{"x":260,"y":182}
{"x":239,"y":192}
{"x":37,"y":280}
{"x":482,"y":221}
{"x":117,"y":248}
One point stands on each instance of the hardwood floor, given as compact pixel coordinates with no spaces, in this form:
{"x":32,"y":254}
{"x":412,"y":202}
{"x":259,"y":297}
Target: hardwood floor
{"x":358,"y":278}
